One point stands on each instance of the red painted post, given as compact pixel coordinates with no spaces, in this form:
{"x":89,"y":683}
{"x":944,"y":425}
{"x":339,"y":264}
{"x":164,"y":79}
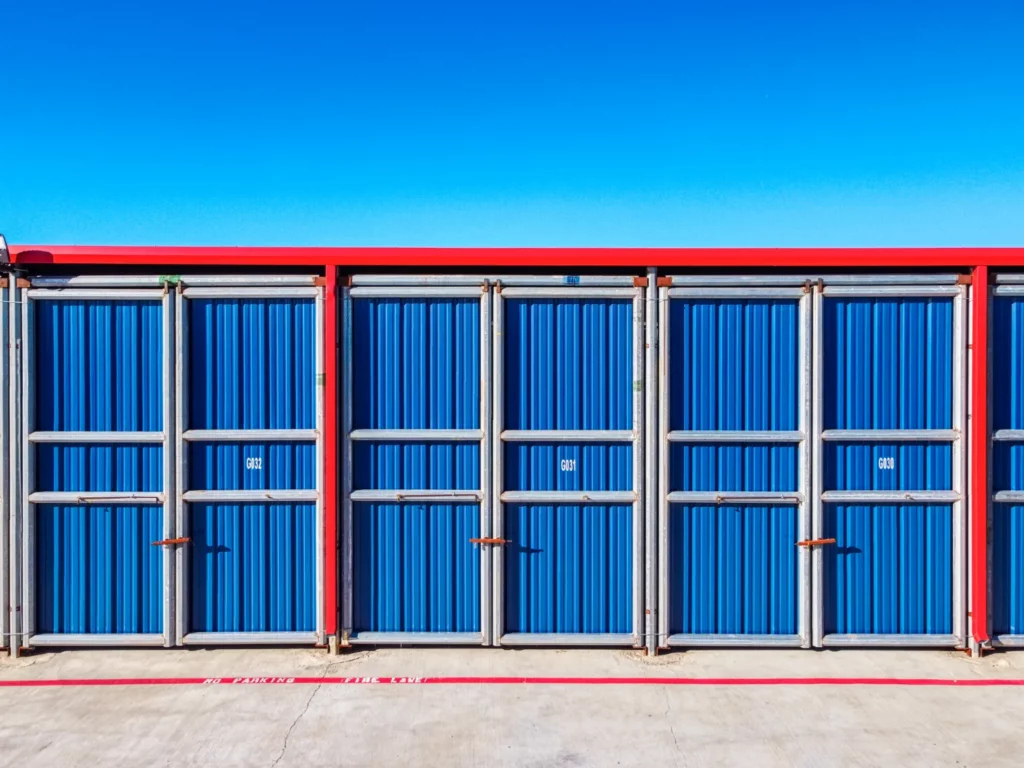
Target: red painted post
{"x":979,"y":459}
{"x":330,"y":457}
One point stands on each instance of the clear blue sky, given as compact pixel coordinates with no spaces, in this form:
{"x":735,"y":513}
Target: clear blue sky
{"x":886,"y":122}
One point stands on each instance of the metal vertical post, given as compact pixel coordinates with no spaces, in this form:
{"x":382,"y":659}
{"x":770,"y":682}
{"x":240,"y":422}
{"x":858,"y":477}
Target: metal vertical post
{"x":347,"y":594}
{"x":14,"y":467}
{"x":170,"y":449}
{"x":650,"y":463}
{"x":663,"y":448}
{"x":979,"y":447}
{"x":639,"y":507}
{"x":817,"y":511}
{"x":958,"y":457}
{"x":320,"y":512}
{"x":329,"y":458}
{"x":804,"y":555}
{"x":498,"y":457}
{"x":180,"y":555}
{"x":486,"y":443}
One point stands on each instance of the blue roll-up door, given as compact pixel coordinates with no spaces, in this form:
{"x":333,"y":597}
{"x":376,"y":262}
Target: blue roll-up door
{"x":96,"y":442}
{"x":569,"y":378}
{"x":736,"y":370}
{"x":250,"y":420}
{"x":1006,"y":532}
{"x":416,"y":451}
{"x":891,"y":466}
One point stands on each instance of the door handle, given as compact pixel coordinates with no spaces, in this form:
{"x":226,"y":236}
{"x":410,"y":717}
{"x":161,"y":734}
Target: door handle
{"x":499,"y":542}
{"x":172,"y":542}
{"x":810,"y":543}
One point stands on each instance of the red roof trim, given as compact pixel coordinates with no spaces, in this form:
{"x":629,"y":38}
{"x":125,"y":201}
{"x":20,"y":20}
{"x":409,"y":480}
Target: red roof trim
{"x":434,"y":258}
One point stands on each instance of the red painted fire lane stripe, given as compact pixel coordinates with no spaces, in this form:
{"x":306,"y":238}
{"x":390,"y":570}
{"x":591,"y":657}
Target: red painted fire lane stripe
{"x":696,"y":681}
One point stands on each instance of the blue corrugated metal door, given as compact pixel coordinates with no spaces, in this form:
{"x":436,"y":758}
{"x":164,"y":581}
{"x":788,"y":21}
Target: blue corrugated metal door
{"x":416,"y":451}
{"x":96,"y":443}
{"x":735,"y":445}
{"x":1006,"y":538}
{"x":569,"y":374}
{"x":891,"y":381}
{"x":250,"y":410}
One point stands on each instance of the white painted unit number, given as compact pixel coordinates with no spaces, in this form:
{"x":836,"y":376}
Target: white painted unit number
{"x":886,"y":462}
{"x":568,"y":465}
{"x":253,"y":462}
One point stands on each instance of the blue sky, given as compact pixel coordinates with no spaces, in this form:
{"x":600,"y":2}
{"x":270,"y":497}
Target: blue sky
{"x":513,"y":123}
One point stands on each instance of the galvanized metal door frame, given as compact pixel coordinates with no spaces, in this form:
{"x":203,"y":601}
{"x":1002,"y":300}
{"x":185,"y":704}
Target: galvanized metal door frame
{"x":924,"y":287}
{"x":571,"y":287}
{"x":412,"y":287}
{"x":7,"y":514}
{"x":733,"y":289}
{"x":29,"y":497}
{"x":1005,"y":285}
{"x":241,"y":287}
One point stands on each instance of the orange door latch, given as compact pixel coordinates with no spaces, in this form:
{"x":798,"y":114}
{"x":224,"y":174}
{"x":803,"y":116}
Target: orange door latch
{"x":490,"y":541}
{"x":171,"y":542}
{"x":815,"y":542}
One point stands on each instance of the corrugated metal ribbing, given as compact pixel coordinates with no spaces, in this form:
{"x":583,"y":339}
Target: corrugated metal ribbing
{"x":252,"y":364}
{"x":97,"y":570}
{"x":888,"y":364}
{"x":416,"y":465}
{"x":253,"y":567}
{"x":733,"y":570}
{"x":416,"y":365}
{"x":890,"y":571}
{"x":568,"y":366}
{"x":76,"y":467}
{"x":569,"y":569}
{"x":98,"y":367}
{"x":734,"y":365}
{"x":415,"y":568}
{"x":859,"y":466}
{"x":223,"y":466}
{"x":1007,"y":412}
{"x":598,"y":467}
{"x":1007,"y":537}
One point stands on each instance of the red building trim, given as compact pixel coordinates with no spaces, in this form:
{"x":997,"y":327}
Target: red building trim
{"x":434,"y":258}
{"x":330,"y":458}
{"x":979,"y":458}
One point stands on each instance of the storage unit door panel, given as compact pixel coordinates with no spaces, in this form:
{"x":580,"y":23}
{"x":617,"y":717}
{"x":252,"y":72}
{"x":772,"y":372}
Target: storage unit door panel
{"x":888,"y":364}
{"x":416,"y":365}
{"x":97,"y":569}
{"x":96,"y":367}
{"x":253,"y":567}
{"x":416,"y":569}
{"x":1006,"y":537}
{"x":890,"y":571}
{"x":569,"y":366}
{"x":252,"y":563}
{"x":569,"y":569}
{"x":736,"y":367}
{"x":734,"y":570}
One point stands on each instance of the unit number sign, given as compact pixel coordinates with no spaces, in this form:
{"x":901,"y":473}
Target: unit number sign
{"x":886,"y":462}
{"x":568,"y":465}
{"x":253,"y":462}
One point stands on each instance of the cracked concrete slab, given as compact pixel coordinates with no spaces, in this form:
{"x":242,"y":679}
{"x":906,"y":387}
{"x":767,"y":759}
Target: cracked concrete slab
{"x":510,"y":725}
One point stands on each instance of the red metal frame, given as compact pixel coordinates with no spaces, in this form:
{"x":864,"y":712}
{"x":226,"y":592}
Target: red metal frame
{"x":979,"y":459}
{"x":978,"y":259}
{"x":330,"y":395}
{"x":521,"y":257}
